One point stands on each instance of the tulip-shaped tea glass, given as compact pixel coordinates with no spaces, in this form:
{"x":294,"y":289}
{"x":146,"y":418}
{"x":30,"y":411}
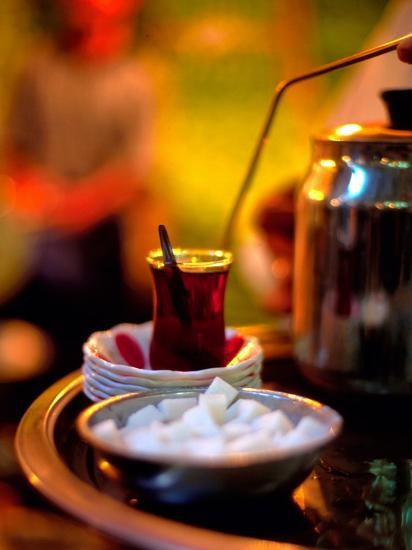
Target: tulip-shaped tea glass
{"x":189,"y":325}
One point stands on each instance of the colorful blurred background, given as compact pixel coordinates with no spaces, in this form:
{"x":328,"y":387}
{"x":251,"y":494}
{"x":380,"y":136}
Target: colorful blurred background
{"x":177,"y":91}
{"x":118,"y":115}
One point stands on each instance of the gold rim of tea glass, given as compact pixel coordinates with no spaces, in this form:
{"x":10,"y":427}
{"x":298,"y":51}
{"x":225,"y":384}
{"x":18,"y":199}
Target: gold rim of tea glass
{"x":198,"y":260}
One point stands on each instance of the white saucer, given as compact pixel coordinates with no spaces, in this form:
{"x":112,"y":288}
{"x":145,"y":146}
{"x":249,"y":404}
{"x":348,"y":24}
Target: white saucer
{"x":107,"y":373}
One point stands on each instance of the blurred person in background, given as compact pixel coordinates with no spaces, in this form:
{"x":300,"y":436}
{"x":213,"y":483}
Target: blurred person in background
{"x":78,"y":153}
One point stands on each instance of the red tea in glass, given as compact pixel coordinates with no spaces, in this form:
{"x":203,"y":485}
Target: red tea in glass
{"x":189,"y":326}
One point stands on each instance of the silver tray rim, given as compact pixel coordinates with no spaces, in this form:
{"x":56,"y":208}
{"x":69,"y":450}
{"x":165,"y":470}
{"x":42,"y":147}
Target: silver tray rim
{"x":46,"y":471}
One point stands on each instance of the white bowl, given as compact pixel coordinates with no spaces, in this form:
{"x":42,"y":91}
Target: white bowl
{"x":107,"y":373}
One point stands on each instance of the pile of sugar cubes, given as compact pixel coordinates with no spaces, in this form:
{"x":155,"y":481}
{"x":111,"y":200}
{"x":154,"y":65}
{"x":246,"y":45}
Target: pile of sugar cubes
{"x":213,"y":424}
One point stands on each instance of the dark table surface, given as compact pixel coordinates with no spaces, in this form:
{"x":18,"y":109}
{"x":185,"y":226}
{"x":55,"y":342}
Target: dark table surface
{"x":358,"y":496}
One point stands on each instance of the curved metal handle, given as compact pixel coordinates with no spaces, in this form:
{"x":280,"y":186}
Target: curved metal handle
{"x":279,"y":91}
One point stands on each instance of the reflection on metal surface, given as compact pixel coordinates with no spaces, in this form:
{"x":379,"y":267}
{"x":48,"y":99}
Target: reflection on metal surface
{"x":368,"y":509}
{"x":309,"y":496}
{"x":384,"y":501}
{"x":357,"y":182}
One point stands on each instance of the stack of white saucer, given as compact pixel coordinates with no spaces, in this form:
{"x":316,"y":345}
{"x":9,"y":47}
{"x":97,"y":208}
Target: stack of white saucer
{"x":111,"y":369}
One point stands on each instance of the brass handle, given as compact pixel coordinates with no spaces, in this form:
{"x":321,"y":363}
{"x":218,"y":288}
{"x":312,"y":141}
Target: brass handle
{"x":279,"y":91}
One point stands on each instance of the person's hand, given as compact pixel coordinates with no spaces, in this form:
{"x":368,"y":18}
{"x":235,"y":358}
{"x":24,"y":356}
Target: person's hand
{"x":404,"y":50}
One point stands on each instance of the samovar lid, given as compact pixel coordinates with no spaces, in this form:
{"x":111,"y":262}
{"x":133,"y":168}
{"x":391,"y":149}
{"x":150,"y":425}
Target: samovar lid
{"x":399,"y":106}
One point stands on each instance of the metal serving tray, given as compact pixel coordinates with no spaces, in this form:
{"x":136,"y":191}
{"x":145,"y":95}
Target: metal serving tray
{"x":358,"y":496}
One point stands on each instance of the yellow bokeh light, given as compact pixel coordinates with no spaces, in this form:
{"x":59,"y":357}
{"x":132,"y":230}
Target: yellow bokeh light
{"x":316,"y":195}
{"x":327,"y":163}
{"x":348,"y":129}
